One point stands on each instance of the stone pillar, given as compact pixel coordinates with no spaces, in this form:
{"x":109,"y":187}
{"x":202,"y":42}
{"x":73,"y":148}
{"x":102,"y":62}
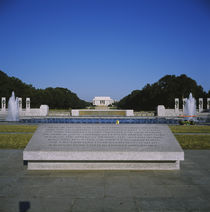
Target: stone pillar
{"x":129,"y":113}
{"x":200,"y":105}
{"x":161,"y":111}
{"x":75,"y":112}
{"x":28,"y":104}
{"x":176,"y":105}
{"x":3,"y":104}
{"x":20,"y":105}
{"x":208,"y":103}
{"x":184,"y":102}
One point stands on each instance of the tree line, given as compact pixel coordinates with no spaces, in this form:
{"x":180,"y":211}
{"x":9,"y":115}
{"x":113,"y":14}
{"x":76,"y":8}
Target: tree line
{"x":56,"y":98}
{"x":163,"y":92}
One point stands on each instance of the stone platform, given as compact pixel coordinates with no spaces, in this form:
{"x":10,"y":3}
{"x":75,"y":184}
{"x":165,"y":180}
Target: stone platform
{"x":103,"y":147}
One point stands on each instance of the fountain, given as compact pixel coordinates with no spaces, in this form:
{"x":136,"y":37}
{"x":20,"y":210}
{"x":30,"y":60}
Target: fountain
{"x":190,"y":108}
{"x":13,"y":110}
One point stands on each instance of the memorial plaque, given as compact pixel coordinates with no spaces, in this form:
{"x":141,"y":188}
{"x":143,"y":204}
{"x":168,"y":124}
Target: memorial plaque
{"x":103,"y":146}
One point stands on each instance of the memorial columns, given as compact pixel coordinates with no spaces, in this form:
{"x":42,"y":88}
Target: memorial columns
{"x":3,"y":104}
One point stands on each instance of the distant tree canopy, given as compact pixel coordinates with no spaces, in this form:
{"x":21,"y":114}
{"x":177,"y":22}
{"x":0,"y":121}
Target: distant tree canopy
{"x":56,"y":98}
{"x":162,"y":92}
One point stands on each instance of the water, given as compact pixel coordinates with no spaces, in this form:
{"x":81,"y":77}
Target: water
{"x":13,"y":110}
{"x":190,"y":108}
{"x":101,"y":120}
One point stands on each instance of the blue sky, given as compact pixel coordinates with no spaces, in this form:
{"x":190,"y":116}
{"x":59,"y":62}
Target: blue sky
{"x":104,"y":47}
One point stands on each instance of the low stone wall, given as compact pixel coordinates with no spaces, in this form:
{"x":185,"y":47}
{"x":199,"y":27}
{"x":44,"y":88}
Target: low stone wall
{"x":144,"y":113}
{"x":102,"y":113}
{"x":59,"y":113}
{"x":161,"y":111}
{"x":42,"y":111}
{"x":172,"y":112}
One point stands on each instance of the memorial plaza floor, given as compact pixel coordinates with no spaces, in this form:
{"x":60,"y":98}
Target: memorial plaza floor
{"x":185,"y":190}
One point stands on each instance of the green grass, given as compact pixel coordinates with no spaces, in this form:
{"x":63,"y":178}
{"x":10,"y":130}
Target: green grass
{"x":190,"y":129}
{"x":18,"y":128}
{"x":102,"y":113}
{"x":14,"y":141}
{"x":19,"y":141}
{"x":59,"y":110}
{"x":194,"y":141}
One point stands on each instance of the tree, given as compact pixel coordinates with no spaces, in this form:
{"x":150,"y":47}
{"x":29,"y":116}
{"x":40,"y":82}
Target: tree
{"x":58,"y":98}
{"x":162,"y":92}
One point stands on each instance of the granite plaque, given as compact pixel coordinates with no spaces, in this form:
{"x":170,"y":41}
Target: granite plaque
{"x":103,"y":146}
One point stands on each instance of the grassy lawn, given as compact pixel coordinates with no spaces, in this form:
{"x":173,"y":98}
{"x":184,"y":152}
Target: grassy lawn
{"x":59,"y":110}
{"x":14,"y":141}
{"x":18,"y":128}
{"x":190,"y":129}
{"x":194,"y":141}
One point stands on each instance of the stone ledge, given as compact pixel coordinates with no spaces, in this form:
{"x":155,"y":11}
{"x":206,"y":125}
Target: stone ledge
{"x":142,"y":165}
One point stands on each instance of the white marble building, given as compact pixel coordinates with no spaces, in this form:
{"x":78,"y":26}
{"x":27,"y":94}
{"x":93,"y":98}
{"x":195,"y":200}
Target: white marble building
{"x":102,"y":101}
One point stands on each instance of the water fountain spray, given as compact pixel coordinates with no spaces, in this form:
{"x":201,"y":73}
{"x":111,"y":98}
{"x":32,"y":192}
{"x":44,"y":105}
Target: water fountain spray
{"x":190,"y":108}
{"x":13,"y":110}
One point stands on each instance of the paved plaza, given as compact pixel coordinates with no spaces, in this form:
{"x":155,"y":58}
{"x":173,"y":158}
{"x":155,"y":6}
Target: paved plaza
{"x":187,"y":189}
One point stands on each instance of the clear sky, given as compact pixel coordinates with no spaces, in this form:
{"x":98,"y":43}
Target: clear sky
{"x":104,"y":47}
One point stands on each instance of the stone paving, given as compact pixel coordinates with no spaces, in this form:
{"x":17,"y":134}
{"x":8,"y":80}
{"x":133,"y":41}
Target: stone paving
{"x":187,"y":189}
